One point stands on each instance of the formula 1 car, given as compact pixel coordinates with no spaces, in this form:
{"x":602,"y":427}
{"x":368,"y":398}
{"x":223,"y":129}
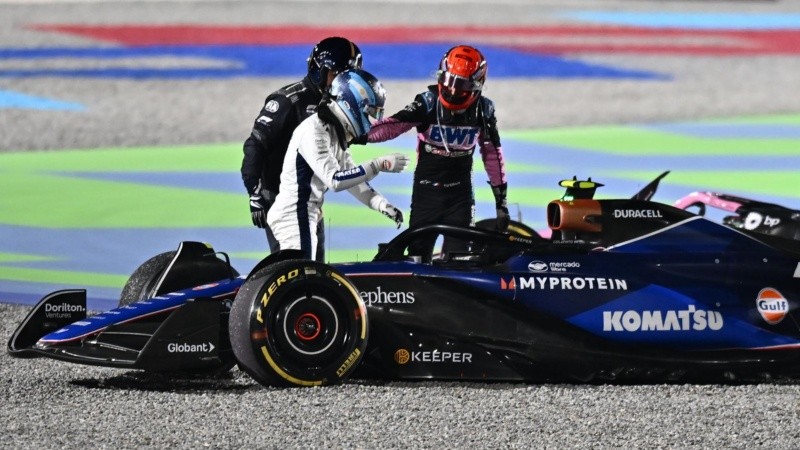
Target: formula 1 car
{"x":623,"y":290}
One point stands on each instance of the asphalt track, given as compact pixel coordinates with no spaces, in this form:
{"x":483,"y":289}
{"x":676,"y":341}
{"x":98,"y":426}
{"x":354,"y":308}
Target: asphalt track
{"x":121,"y":134}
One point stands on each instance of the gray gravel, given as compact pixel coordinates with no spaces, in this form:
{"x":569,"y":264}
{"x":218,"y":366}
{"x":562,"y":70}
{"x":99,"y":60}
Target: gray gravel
{"x":49,"y":404}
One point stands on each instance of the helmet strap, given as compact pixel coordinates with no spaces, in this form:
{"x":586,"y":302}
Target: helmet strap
{"x":439,"y":114}
{"x":343,"y":120}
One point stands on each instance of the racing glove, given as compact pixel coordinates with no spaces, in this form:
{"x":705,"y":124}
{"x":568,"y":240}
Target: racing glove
{"x":361,"y":140}
{"x":394,"y":162}
{"x":259,"y":205}
{"x":501,"y":207}
{"x":393,"y":213}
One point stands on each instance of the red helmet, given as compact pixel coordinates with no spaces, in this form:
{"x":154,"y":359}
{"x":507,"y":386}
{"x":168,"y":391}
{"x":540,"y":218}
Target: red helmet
{"x":462,"y":73}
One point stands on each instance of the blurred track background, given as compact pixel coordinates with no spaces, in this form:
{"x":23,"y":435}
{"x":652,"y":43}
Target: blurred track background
{"x":122,"y":124}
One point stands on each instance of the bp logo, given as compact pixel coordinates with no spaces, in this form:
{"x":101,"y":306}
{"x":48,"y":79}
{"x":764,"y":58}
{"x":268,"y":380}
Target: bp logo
{"x":772,"y":306}
{"x":401,"y":356}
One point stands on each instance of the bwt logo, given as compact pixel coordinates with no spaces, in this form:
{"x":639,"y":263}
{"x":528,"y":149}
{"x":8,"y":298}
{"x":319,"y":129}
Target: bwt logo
{"x":772,"y":306}
{"x":462,"y":136}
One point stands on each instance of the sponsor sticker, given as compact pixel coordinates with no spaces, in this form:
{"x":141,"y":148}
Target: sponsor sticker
{"x":772,"y":306}
{"x":62,"y":311}
{"x":383,"y":297}
{"x":508,"y":285}
{"x":464,"y":136}
{"x":637,"y":214}
{"x":564,"y":283}
{"x":403,"y":356}
{"x":537,"y":266}
{"x":205,"y":347}
{"x":271,"y":106}
{"x":755,"y":220}
{"x":689,"y":319}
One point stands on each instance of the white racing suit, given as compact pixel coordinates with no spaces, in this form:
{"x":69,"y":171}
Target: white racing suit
{"x":316,"y":160}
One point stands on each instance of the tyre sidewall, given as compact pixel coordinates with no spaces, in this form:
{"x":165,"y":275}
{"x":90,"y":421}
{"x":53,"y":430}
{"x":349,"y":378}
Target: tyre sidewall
{"x":142,"y":282}
{"x":266,"y":320}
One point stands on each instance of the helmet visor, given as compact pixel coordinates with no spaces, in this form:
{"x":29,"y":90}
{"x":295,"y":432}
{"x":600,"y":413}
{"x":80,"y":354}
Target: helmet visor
{"x":374,"y":113}
{"x":456,"y":89}
{"x":459,"y":83}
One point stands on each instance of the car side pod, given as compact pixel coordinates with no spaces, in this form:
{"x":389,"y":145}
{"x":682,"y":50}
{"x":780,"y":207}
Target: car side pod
{"x":54,"y":311}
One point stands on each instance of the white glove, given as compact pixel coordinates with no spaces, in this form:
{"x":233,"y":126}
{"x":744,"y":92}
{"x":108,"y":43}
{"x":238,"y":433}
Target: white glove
{"x":393,"y":213}
{"x":394,"y":162}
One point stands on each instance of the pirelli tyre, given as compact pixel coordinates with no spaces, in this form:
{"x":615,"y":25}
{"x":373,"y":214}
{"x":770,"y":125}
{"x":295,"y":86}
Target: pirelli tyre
{"x":298,"y":323}
{"x":193,"y":264}
{"x":142,"y":283}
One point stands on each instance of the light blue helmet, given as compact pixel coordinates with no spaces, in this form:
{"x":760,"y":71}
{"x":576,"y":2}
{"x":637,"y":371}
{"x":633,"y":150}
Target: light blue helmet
{"x":361,"y":98}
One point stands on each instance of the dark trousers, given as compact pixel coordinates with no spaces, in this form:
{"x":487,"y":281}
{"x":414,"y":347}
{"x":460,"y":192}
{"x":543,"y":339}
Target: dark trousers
{"x":449,"y":206}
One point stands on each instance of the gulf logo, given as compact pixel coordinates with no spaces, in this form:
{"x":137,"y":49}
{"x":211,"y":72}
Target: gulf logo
{"x":772,"y":306}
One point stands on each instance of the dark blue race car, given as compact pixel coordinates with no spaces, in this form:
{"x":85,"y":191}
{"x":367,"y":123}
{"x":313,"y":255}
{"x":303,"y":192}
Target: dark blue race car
{"x":620,"y":290}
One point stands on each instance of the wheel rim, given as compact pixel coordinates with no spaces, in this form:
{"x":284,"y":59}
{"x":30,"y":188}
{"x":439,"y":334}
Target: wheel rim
{"x":304,"y":329}
{"x":308,"y":329}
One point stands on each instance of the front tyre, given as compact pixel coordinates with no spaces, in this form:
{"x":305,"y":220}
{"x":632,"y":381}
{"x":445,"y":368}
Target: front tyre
{"x":143,"y":282}
{"x":298,"y":323}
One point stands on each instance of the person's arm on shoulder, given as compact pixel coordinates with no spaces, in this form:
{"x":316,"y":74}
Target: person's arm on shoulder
{"x":385,"y":130}
{"x":407,"y":118}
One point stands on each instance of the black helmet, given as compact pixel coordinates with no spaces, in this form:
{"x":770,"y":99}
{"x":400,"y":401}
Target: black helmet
{"x":333,"y":53}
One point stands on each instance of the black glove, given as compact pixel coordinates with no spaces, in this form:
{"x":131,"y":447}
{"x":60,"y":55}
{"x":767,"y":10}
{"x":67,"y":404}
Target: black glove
{"x":258,"y":210}
{"x":501,"y":207}
{"x":503,"y":219}
{"x":394,"y":214}
{"x":260,"y":202}
{"x":361,"y":140}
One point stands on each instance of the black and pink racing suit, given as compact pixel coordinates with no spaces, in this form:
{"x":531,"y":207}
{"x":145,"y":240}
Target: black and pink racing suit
{"x":446,"y":141}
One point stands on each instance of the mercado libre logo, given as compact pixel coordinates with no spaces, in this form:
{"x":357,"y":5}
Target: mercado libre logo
{"x":772,"y":306}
